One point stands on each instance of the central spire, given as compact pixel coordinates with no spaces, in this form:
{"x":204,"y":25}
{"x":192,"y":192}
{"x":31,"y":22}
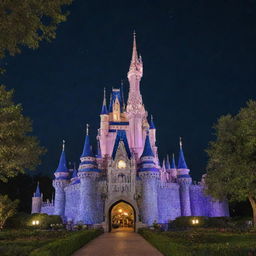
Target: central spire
{"x":135,"y":58}
{"x":136,"y":66}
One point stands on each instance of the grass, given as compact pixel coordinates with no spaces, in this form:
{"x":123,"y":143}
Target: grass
{"x":201,"y":242}
{"x":24,"y":242}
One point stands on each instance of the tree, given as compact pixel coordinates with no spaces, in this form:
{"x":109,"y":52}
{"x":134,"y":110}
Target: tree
{"x":28,"y":22}
{"x":7,"y":209}
{"x":231,"y":170}
{"x":19,"y":150}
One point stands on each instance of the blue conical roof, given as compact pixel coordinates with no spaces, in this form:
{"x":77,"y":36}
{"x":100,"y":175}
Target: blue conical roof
{"x":74,"y":175}
{"x":173,"y":164}
{"x":151,"y":124}
{"x":167,"y":163}
{"x":147,"y":148}
{"x":62,"y":167}
{"x":37,"y":193}
{"x":182,"y":163}
{"x":104,"y":110}
{"x":87,"y":147}
{"x":98,"y":151}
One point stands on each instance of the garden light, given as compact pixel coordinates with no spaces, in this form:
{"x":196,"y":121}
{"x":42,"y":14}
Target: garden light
{"x":35,"y":222}
{"x":195,"y":221}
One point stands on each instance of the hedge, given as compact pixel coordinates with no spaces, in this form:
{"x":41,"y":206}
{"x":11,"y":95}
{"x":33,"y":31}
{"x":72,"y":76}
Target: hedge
{"x":24,"y":220}
{"x":66,"y":246}
{"x":201,"y":243}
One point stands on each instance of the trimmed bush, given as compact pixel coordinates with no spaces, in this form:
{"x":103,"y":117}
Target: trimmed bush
{"x":24,"y":220}
{"x":201,"y":242}
{"x":45,"y":220}
{"x":19,"y":220}
{"x":66,"y":246}
{"x":219,"y":222}
{"x":185,"y":222}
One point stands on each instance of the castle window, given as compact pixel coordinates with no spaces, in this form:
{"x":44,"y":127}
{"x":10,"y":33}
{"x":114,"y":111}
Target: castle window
{"x":121,"y":164}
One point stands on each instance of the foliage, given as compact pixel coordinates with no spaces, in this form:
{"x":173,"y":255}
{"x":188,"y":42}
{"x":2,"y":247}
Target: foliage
{"x":28,"y":22}
{"x":183,"y":222}
{"x":231,"y":170}
{"x":200,"y":242}
{"x":22,"y":242}
{"x":66,"y":246}
{"x":18,"y":150}
{"x":19,"y":220}
{"x":44,"y":219}
{"x":7,"y":209}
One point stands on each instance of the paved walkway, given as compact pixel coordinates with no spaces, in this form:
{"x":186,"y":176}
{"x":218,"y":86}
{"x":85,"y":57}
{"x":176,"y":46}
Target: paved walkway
{"x":119,"y":243}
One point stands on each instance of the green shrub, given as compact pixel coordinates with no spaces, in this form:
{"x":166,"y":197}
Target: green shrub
{"x":24,"y":220}
{"x":66,"y":246}
{"x":19,"y":220}
{"x":201,"y":242}
{"x":184,"y":222}
{"x":218,"y":222}
{"x":45,"y":220}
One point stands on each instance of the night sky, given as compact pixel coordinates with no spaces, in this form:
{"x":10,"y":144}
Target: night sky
{"x":199,"y":63}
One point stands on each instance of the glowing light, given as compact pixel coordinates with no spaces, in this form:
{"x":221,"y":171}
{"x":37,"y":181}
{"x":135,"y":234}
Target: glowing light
{"x":121,"y":164}
{"x":120,"y":210}
{"x":126,"y":213}
{"x":195,"y":221}
{"x":35,"y":222}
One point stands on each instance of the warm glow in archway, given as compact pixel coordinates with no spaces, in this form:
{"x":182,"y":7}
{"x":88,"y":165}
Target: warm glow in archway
{"x":122,"y":216}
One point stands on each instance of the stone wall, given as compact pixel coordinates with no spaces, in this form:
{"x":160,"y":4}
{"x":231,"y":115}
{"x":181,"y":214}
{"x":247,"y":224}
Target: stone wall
{"x":72,"y":202}
{"x":168,"y":202}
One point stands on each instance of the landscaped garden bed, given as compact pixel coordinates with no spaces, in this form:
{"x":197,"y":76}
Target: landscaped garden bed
{"x":201,"y":242}
{"x":43,"y":242}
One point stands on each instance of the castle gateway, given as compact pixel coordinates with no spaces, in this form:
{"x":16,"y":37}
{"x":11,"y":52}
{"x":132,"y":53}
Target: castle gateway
{"x":124,"y":183}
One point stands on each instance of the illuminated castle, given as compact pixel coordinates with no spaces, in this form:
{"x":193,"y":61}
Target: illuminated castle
{"x":126,"y":170}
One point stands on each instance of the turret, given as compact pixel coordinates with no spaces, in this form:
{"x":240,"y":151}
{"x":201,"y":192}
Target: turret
{"x":74,"y":179}
{"x":152,"y":131}
{"x":172,"y":170}
{"x":184,"y":180}
{"x":104,"y":124}
{"x":149,"y":175}
{"x":37,"y":200}
{"x":87,"y":174}
{"x":60,"y":182}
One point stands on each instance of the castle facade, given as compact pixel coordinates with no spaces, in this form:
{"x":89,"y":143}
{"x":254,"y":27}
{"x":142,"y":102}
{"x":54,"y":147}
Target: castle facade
{"x":126,"y":169}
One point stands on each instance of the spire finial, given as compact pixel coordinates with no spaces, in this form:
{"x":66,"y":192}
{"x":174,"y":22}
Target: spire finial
{"x":134,"y":50}
{"x":180,"y":142}
{"x":151,"y":118}
{"x":87,"y":129}
{"x":172,"y":155}
{"x":63,"y":145}
{"x":104,"y":97}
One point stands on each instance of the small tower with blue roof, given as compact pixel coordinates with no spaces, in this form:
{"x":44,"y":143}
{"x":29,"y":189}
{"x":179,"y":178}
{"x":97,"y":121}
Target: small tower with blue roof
{"x":184,"y":180}
{"x":104,"y":123}
{"x":60,"y":182}
{"x":149,"y":174}
{"x":37,"y":200}
{"x":88,"y":173}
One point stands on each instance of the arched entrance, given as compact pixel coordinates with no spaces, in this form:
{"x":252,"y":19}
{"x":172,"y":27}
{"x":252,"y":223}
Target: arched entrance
{"x":122,"y":216}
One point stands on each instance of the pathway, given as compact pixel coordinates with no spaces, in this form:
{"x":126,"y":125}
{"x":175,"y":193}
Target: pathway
{"x":119,"y":243}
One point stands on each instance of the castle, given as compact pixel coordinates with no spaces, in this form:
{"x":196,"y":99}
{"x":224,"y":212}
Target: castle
{"x":126,"y":170}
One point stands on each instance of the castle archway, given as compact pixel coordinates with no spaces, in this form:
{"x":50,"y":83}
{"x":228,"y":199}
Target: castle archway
{"x":122,"y":216}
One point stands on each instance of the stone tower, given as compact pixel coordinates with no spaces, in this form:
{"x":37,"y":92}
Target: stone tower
{"x":149,"y":175}
{"x":60,"y":182}
{"x":88,"y":173}
{"x":184,"y":180}
{"x":37,"y":200}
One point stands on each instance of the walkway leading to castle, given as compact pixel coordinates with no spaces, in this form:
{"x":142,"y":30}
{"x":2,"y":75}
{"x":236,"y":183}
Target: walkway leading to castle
{"x":119,"y":243}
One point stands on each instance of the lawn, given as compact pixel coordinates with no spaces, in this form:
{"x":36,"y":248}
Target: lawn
{"x":201,"y":242}
{"x":23,"y":242}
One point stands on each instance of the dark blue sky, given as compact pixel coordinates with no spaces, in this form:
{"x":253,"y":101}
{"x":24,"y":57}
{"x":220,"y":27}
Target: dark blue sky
{"x":199,"y":63}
